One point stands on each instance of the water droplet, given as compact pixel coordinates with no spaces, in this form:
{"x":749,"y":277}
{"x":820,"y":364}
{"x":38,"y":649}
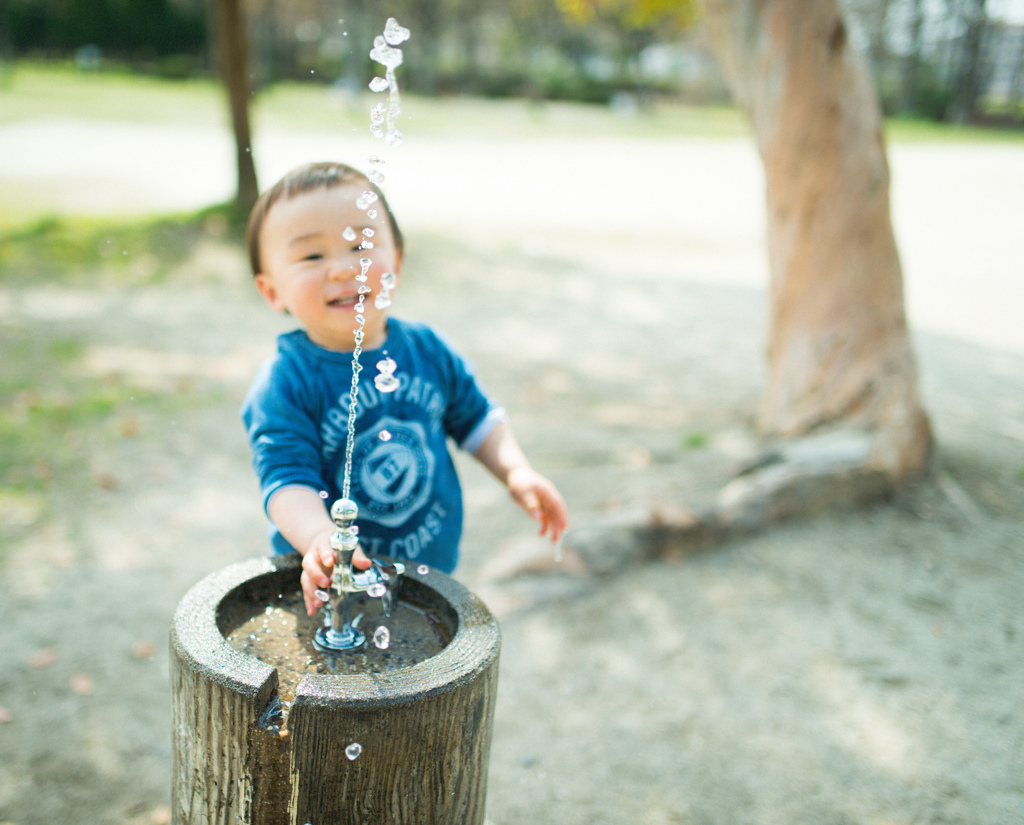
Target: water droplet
{"x":423,"y":570}
{"x":382,"y":637}
{"x":324,"y":494}
{"x":361,"y":278}
{"x":361,"y":319}
{"x":376,"y":160}
{"x":353,"y":751}
{"x":377,"y":114}
{"x":369,"y":233}
{"x":323,"y":595}
{"x":386,"y":383}
{"x":395,"y":33}
{"x":376,"y":177}
{"x":387,"y":366}
{"x":385,"y":54}
{"x":383,"y":300}
{"x":371,"y":213}
{"x":366,"y":245}
{"x":376,"y":590}
{"x":376,"y":131}
{"x":364,"y":289}
{"x":370,"y":196}
{"x":384,"y":435}
{"x":378,"y":84}
{"x":393,"y":138}
{"x":349,"y":234}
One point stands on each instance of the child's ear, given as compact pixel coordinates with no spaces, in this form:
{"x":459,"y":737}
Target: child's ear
{"x":269,"y":293}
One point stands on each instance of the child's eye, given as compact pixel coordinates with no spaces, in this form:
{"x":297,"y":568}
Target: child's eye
{"x":313,"y":256}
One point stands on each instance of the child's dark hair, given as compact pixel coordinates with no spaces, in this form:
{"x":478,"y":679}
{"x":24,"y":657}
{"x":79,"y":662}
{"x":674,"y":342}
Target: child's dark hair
{"x":305,"y":179}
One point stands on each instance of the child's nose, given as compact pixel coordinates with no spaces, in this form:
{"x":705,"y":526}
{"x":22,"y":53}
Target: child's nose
{"x":339,"y":269}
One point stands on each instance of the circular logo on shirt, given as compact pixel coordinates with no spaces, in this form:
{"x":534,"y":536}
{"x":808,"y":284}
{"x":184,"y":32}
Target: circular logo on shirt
{"x":396,"y":474}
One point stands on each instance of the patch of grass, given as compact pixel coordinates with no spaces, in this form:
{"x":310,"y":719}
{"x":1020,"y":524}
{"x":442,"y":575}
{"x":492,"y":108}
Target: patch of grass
{"x":695,"y":440}
{"x":910,"y":130}
{"x":55,"y":414}
{"x":61,"y":90}
{"x":71,"y":249}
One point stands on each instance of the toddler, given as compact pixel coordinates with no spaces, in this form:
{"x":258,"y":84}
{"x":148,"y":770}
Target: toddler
{"x":306,"y":239}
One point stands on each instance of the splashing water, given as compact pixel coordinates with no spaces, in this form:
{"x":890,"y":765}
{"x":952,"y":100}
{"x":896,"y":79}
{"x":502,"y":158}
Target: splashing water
{"x":365,"y":199}
{"x":364,"y":264}
{"x":388,"y":282}
{"x":394,"y":33}
{"x":382,"y":637}
{"x":423,"y":570}
{"x":385,"y":52}
{"x":385,"y":380}
{"x":353,"y":751}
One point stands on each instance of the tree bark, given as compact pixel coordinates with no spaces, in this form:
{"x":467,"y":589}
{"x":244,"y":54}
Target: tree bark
{"x":839,"y":350}
{"x":233,"y":63}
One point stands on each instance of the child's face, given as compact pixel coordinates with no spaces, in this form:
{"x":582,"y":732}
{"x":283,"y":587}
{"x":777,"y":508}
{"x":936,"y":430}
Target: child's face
{"x":310,"y":252}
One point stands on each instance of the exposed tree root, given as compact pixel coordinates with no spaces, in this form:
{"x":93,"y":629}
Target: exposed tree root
{"x":795,"y":478}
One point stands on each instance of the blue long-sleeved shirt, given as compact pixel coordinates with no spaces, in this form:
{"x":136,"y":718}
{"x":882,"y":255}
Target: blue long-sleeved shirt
{"x":410,"y":501}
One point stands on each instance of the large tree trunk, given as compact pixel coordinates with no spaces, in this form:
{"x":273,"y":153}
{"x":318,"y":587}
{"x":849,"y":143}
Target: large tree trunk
{"x":839,"y":350}
{"x":233,"y":63}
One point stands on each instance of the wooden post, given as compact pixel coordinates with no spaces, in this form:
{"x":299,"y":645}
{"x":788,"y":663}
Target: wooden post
{"x":425,"y":730}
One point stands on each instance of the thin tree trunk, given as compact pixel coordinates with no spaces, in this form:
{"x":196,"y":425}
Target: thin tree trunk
{"x":234,"y":70}
{"x":911,"y":63}
{"x":839,"y":351}
{"x":969,"y":74}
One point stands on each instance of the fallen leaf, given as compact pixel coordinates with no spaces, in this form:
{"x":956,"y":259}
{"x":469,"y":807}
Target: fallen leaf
{"x":106,"y":481}
{"x":143,"y":649}
{"x":82,"y":684}
{"x":43,"y":658}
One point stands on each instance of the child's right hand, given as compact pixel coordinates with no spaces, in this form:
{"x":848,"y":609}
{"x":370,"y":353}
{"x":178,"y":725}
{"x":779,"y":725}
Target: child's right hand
{"x":318,"y":569}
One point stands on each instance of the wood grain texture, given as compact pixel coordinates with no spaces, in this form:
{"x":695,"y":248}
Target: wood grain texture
{"x":425,"y":730}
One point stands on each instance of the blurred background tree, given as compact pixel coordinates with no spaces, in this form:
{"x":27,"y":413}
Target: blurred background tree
{"x":956,"y":60}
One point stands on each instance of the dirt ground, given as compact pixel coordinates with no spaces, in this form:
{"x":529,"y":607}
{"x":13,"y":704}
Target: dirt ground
{"x":855,"y":668}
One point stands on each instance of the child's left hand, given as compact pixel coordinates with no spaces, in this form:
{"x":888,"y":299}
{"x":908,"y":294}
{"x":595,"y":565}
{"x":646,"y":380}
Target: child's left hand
{"x":540,"y":499}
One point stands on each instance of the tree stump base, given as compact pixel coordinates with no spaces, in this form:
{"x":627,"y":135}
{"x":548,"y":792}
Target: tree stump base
{"x":424,"y":730}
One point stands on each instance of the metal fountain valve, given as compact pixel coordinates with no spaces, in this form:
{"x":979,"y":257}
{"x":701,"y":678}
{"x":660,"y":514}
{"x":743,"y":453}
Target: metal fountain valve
{"x":340,"y":631}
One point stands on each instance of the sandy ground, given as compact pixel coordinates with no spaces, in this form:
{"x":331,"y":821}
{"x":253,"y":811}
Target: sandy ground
{"x":859,"y":667}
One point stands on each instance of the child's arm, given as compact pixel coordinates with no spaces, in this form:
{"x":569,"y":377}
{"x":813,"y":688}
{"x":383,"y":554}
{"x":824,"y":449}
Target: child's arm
{"x":300,"y":515}
{"x":500,"y":453}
